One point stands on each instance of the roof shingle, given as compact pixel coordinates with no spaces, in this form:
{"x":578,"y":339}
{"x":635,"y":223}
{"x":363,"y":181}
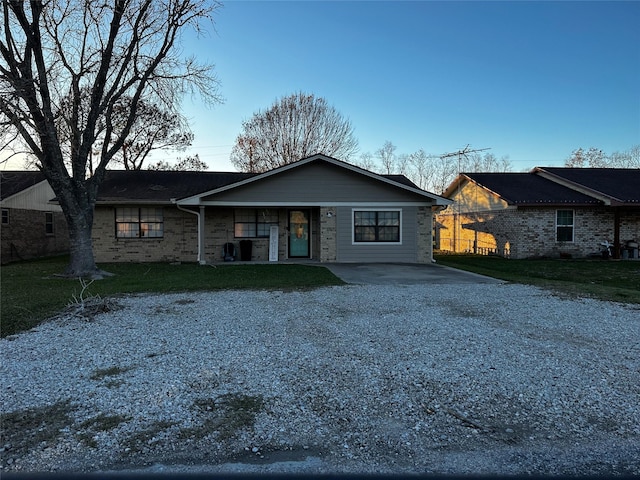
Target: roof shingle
{"x":530,"y":189}
{"x":161,"y":186}
{"x":621,"y":184}
{"x":12,"y":182}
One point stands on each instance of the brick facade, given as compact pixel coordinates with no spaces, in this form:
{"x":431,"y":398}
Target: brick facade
{"x":329,"y":230}
{"x":529,"y":232}
{"x":425,"y":235}
{"x":180,"y":240}
{"x":25,"y":235}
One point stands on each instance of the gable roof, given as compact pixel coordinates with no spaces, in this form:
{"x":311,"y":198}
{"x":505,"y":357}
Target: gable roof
{"x":164,"y":187}
{"x":559,"y":186}
{"x":614,"y":186}
{"x":13,"y":182}
{"x":398,"y":181}
{"x":526,"y":189}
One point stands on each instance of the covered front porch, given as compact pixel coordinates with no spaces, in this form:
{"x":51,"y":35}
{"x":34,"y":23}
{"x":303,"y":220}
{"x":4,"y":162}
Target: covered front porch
{"x":265,"y":233}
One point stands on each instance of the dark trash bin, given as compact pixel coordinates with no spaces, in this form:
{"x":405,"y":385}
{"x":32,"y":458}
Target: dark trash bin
{"x":245,"y":250}
{"x":229,"y":252}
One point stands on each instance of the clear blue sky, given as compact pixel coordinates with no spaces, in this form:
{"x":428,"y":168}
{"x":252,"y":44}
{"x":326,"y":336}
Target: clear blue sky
{"x":531,"y":80}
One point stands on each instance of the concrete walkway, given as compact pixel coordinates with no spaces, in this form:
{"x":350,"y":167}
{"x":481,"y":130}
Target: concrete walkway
{"x":404,"y":274}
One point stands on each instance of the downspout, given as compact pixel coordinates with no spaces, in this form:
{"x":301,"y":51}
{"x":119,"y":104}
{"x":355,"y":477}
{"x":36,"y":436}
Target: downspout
{"x":201,"y":260}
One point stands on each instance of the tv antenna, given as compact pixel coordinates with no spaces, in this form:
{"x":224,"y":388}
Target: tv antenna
{"x":463,"y":153}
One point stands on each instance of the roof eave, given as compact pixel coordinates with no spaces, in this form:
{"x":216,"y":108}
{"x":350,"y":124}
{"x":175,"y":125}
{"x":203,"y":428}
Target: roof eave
{"x":578,"y":187}
{"x":557,"y":204}
{"x":132,"y":201}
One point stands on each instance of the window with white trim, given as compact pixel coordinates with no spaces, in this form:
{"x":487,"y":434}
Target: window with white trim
{"x":564,"y":225}
{"x":376,"y":226}
{"x":139,"y":222}
{"x":5,"y":216}
{"x":253,"y":222}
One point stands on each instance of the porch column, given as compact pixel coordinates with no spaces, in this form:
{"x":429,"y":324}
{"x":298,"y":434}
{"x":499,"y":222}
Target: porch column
{"x":202,"y":260}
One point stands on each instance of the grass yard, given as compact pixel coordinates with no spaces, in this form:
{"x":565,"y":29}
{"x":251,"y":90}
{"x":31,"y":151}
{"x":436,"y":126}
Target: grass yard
{"x":30,"y":291}
{"x":612,"y":280}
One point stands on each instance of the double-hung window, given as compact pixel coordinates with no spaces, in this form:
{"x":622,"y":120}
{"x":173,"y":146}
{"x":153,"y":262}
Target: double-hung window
{"x":254,"y":222}
{"x":376,"y":226}
{"x":48,"y":223}
{"x":5,"y":216}
{"x":564,"y":225}
{"x":139,"y":223}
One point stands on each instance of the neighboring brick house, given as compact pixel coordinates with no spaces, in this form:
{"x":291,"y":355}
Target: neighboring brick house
{"x":31,"y":226}
{"x":317,"y":208}
{"x":548,"y":212}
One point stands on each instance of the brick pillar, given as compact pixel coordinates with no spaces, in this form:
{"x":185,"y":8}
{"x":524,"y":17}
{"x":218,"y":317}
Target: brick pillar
{"x":328,"y":234}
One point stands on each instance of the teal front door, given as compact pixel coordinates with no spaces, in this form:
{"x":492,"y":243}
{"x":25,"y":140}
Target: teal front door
{"x":299,"y":234}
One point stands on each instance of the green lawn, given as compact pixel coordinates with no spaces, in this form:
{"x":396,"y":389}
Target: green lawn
{"x":30,"y":291}
{"x":612,"y":280}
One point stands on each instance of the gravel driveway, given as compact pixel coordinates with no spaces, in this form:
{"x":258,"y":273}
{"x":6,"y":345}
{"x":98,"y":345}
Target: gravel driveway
{"x":445,"y":379}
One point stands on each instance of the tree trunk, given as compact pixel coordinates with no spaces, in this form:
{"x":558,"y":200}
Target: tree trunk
{"x":81,"y":261}
{"x":77,"y":202}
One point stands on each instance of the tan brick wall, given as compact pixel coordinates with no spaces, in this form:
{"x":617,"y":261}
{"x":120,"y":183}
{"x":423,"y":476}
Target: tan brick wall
{"x":180,"y":242}
{"x":482,"y":233}
{"x":219,"y":228}
{"x":630,"y":226}
{"x":425,"y":235}
{"x":328,"y":234}
{"x":25,"y":236}
{"x":531,"y":232}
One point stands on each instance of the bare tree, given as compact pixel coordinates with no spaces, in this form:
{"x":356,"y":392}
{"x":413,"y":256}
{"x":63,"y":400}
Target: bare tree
{"x":188,"y":164}
{"x":365,"y":161}
{"x":422,"y":169}
{"x":593,"y":157}
{"x":96,"y":56}
{"x":596,"y":158}
{"x":386,"y":156}
{"x":402,"y":163}
{"x":294,"y":127}
{"x":435,"y":173}
{"x":152,"y":129}
{"x":488,"y":162}
{"x":627,"y":159}
{"x":445,"y":172}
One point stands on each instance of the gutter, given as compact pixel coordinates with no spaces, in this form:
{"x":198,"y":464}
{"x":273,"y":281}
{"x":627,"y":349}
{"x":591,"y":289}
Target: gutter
{"x":201,"y":259}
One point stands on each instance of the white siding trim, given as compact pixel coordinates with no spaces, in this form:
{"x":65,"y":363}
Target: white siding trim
{"x":377,"y":206}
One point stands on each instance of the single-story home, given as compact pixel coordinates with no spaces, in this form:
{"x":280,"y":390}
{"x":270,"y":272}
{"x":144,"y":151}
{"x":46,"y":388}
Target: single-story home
{"x":318,"y":208}
{"x":31,"y":226}
{"x":547,"y":212}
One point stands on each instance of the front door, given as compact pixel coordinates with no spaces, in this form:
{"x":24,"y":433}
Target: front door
{"x":299,"y":234}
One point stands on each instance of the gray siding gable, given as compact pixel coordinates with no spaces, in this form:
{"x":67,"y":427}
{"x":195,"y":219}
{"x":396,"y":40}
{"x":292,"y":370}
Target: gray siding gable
{"x":317,"y":182}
